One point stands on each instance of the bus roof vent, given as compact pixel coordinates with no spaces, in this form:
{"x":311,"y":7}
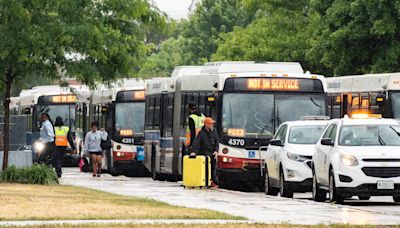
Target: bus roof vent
{"x":248,"y":66}
{"x":186,"y":70}
{"x":315,"y":118}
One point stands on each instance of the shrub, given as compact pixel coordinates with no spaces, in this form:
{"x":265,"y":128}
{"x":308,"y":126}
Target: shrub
{"x":36,"y":174}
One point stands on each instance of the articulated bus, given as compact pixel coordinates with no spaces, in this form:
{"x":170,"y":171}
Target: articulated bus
{"x":70,"y":103}
{"x":364,"y":94}
{"x":120,"y":109}
{"x":248,"y":100}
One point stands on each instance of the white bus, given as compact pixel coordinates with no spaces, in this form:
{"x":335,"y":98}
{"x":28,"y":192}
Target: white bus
{"x":249,"y":101}
{"x":70,"y":103}
{"x":120,"y":109}
{"x":365,"y":94}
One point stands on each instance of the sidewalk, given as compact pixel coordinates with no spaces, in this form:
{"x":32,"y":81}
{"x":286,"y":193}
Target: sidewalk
{"x":254,"y":206}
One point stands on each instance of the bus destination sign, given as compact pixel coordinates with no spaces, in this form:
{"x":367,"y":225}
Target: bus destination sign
{"x":273,"y":84}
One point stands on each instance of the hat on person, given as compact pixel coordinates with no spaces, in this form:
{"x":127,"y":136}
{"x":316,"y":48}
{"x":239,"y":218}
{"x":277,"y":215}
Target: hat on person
{"x":209,"y":120}
{"x":192,"y":105}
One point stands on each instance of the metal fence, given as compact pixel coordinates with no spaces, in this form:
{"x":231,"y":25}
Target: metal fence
{"x":18,"y":129}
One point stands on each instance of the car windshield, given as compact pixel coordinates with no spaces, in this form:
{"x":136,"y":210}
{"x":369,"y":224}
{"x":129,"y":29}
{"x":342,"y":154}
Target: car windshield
{"x":305,"y":134}
{"x":130,"y":116}
{"x":251,"y":113}
{"x":67,"y":113}
{"x":370,"y":135}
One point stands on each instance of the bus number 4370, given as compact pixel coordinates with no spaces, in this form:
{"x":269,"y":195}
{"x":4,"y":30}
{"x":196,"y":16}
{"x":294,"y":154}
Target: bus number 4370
{"x":236,"y":142}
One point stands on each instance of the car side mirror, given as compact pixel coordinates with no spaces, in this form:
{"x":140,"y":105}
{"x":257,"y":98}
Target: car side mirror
{"x":327,"y":142}
{"x":276,"y":142}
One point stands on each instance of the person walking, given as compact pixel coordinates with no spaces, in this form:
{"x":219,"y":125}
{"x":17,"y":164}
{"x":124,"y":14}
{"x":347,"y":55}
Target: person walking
{"x":63,"y":141}
{"x":92,"y":146}
{"x":207,"y":143}
{"x":47,"y":137}
{"x":195,"y":122}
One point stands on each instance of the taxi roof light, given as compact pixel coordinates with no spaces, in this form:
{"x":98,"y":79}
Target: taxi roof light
{"x":364,"y":116}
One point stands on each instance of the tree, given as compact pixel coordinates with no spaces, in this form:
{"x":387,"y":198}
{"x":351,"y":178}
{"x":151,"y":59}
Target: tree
{"x":195,"y":39}
{"x":356,"y":37}
{"x":279,"y":33}
{"x":91,"y":40}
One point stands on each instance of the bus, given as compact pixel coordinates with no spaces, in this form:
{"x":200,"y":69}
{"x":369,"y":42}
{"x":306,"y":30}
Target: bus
{"x":71,"y":103}
{"x":120,"y":109}
{"x":249,"y":101}
{"x":364,"y":94}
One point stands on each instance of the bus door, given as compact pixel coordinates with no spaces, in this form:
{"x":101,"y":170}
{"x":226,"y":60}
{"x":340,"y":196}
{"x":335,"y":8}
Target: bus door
{"x":344,"y":105}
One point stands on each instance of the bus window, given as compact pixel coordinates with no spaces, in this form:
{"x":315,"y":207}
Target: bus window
{"x":170,"y":114}
{"x":355,"y":102}
{"x":150,"y":112}
{"x":157,"y":113}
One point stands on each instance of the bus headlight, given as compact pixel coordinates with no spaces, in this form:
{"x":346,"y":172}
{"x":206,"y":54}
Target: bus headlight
{"x":39,"y":147}
{"x":348,"y":160}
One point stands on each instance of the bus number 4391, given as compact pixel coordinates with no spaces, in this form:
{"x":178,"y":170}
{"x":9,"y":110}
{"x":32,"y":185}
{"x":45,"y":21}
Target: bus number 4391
{"x":236,"y":142}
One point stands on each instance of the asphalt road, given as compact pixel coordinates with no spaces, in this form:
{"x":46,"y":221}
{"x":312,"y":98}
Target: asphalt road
{"x":254,"y":206}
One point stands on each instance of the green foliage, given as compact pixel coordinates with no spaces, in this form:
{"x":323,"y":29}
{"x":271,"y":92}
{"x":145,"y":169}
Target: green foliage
{"x":359,"y":36}
{"x":91,"y":40}
{"x":37,"y":174}
{"x":279,"y":37}
{"x":196,"y":39}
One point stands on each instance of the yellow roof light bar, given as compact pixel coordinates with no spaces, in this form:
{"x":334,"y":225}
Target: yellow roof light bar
{"x":366,"y":116}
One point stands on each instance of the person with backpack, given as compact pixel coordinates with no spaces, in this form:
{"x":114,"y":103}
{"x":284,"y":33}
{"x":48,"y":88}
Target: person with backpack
{"x":92,"y":145}
{"x":63,"y":141}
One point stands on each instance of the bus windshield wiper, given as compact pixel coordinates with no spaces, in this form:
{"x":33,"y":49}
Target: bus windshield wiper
{"x":315,"y":103}
{"x":262,"y":130}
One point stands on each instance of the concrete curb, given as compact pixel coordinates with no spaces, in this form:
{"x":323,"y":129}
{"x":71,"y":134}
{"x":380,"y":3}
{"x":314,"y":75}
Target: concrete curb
{"x":123,"y":221}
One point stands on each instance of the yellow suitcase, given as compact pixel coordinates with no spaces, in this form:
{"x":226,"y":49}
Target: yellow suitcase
{"x":196,"y":171}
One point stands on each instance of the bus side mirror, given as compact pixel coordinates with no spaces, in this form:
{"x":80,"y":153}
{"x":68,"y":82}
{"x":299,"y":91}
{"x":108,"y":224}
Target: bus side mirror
{"x":104,"y":109}
{"x":211,"y":101}
{"x":27,"y":111}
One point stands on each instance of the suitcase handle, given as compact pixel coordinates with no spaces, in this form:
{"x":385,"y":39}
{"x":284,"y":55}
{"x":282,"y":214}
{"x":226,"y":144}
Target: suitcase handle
{"x":192,"y":155}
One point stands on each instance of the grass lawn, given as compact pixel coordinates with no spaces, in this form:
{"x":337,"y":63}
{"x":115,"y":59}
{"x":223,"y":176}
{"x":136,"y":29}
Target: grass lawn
{"x":56,"y":202}
{"x":209,"y":225}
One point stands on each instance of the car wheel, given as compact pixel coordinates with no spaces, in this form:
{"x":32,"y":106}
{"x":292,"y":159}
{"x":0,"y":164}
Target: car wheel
{"x":334,"y":196}
{"x":284,"y":190}
{"x":268,"y":189}
{"x":396,"y":199}
{"x":318,"y":194}
{"x":364,"y":197}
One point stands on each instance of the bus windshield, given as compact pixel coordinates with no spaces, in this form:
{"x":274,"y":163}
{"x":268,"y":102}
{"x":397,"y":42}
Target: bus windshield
{"x":130,"y":116}
{"x":395,"y":98}
{"x":291,"y":107}
{"x":67,"y":113}
{"x":251,"y":113}
{"x":257,"y":115}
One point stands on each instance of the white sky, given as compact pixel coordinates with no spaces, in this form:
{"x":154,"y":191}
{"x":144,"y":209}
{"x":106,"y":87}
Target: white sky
{"x":176,"y":9}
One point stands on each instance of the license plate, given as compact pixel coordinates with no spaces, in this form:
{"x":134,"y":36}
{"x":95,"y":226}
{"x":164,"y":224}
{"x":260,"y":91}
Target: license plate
{"x":385,"y":184}
{"x":251,"y":154}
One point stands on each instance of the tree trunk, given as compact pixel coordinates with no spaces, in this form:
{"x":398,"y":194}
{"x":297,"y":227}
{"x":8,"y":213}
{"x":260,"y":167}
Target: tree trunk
{"x":6,"y":126}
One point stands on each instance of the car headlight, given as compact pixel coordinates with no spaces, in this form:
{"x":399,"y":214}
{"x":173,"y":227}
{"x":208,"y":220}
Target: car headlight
{"x":39,"y":147}
{"x":348,"y":160}
{"x":296,"y":157}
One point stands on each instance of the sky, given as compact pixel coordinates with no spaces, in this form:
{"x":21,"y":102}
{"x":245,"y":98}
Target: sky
{"x":176,"y":9}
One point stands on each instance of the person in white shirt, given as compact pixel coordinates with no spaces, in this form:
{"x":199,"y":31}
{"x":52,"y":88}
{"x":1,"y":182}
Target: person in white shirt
{"x":47,"y":136}
{"x":93,"y":146}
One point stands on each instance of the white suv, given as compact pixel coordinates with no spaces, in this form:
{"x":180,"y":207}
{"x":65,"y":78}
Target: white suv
{"x":357,"y":157}
{"x":288,"y":158}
